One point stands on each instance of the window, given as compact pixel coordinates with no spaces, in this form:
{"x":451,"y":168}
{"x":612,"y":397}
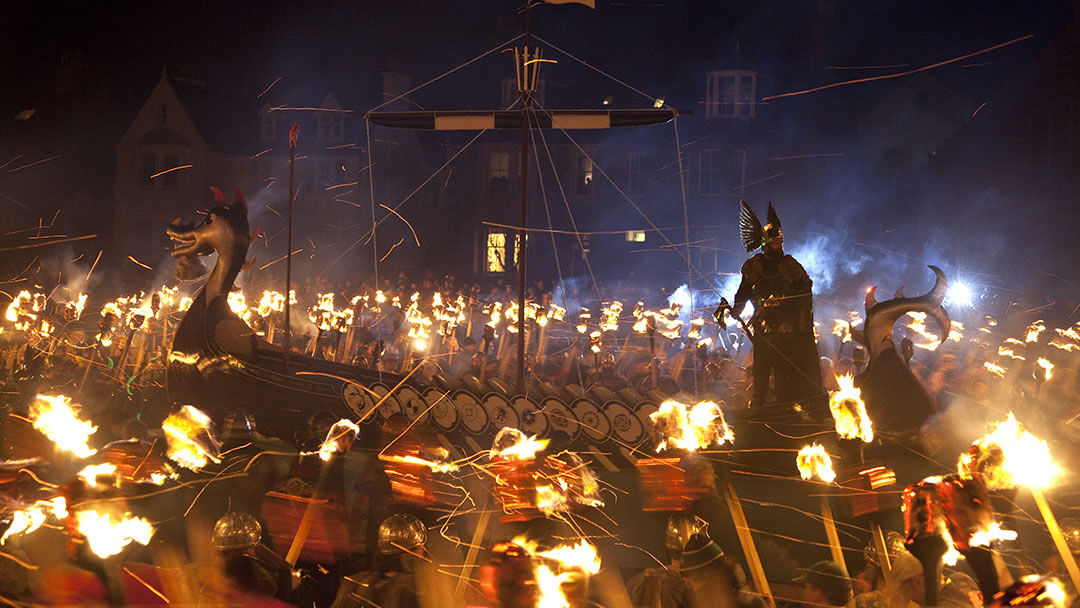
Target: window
{"x":337,"y":126}
{"x":331,"y":125}
{"x":495,"y":260}
{"x":269,"y":126}
{"x":635,"y":236}
{"x":500,"y":171}
{"x":730,"y":94}
{"x":720,"y":171}
{"x":163,"y":115}
{"x":633,"y":178}
{"x":495,"y":252}
{"x":171,"y":180}
{"x":149,"y":168}
{"x":584,"y":175}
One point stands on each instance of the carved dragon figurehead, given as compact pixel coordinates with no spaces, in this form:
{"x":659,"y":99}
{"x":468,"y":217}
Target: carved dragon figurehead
{"x":887,"y":384}
{"x":224,"y":230}
{"x":877,"y":332}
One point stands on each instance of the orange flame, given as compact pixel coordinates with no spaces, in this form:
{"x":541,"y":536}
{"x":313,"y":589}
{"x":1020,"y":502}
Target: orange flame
{"x":187,"y":433}
{"x":106,"y":537}
{"x":336,"y":438}
{"x":814,"y":460}
{"x":1033,"y":331}
{"x":1009,"y":456}
{"x":1047,"y":366}
{"x":60,"y":422}
{"x":693,"y":428}
{"x":609,"y":316}
{"x":25,"y":521}
{"x":90,"y":473}
{"x":512,"y":444}
{"x":849,"y":411}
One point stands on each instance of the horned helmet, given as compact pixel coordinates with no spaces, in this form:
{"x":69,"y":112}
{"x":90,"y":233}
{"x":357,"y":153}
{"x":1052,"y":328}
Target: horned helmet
{"x":751,"y":231}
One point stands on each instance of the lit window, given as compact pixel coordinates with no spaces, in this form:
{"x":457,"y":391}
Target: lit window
{"x":635,"y":236}
{"x":496,"y":252}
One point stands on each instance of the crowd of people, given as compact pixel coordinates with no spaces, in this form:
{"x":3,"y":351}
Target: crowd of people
{"x":992,"y":366}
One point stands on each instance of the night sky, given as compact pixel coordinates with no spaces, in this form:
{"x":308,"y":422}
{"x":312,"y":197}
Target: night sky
{"x":233,"y":51}
{"x":649,"y":43}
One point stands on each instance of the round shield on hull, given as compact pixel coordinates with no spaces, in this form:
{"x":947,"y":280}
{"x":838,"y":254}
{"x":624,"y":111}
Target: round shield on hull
{"x":560,"y":417}
{"x":474,"y":418}
{"x":626,"y":425}
{"x":594,"y":423}
{"x":533,"y":420}
{"x":443,"y":411}
{"x":501,"y":413}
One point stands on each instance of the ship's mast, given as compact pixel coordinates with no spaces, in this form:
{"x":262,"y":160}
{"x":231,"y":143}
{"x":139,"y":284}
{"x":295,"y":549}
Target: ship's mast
{"x":526,"y":72}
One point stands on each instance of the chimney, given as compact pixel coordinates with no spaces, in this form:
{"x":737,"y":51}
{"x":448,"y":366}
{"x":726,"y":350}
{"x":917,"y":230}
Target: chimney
{"x":395,"y":84}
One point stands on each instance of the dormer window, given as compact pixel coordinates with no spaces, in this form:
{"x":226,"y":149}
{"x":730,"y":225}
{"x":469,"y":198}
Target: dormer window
{"x":163,"y":115}
{"x":730,"y":94}
{"x":331,"y":125}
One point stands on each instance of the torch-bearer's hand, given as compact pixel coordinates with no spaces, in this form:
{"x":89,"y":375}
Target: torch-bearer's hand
{"x":718,"y":314}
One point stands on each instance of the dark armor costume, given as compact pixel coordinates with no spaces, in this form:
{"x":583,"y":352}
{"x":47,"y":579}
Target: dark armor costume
{"x":783,"y":322}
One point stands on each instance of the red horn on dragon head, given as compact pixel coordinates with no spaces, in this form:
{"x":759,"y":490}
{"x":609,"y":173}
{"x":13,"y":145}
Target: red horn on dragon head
{"x":219,"y":198}
{"x":238,"y":199}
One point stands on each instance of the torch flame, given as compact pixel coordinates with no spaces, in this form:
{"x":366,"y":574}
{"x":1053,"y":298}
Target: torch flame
{"x":25,"y":521}
{"x":552,"y":498}
{"x":1047,"y":366}
{"x":550,"y":588}
{"x":272,"y":301}
{"x":434,"y":465}
{"x":582,"y":555}
{"x":849,"y":411}
{"x":107,"y":538}
{"x":58,"y":420}
{"x":512,"y":444}
{"x":183,"y":431}
{"x":690,"y":429}
{"x":842,"y":330}
{"x":90,"y":473}
{"x":994,"y":368}
{"x":814,"y":460}
{"x":1009,"y":456}
{"x":569,"y":560}
{"x":993,"y":532}
{"x":609,"y":316}
{"x":1033,"y":331}
{"x":336,"y":438}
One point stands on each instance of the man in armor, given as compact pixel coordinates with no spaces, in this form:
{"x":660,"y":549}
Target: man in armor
{"x":783,"y":322}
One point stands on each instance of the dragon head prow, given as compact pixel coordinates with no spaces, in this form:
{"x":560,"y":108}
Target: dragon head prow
{"x":224,"y":226}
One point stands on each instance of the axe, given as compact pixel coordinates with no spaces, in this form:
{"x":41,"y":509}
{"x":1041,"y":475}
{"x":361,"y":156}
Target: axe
{"x":718,"y":314}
